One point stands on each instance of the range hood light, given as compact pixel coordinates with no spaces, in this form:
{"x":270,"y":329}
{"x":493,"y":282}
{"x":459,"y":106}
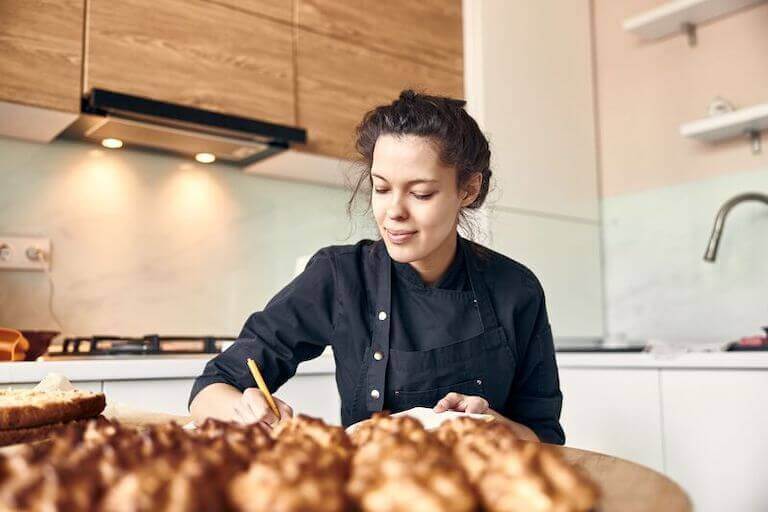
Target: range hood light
{"x":205,"y":158}
{"x":112,"y":143}
{"x":115,"y":120}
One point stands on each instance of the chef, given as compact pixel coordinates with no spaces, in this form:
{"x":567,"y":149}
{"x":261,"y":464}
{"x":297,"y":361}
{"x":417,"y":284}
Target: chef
{"x":420,"y":317}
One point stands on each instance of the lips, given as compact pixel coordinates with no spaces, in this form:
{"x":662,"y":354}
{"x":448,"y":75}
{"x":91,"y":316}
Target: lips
{"x":399,"y":236}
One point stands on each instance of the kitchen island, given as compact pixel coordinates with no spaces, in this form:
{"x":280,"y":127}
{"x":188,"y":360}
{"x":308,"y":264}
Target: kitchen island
{"x":650,"y":409}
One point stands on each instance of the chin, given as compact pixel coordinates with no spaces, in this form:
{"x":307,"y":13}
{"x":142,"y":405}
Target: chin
{"x":401,"y":254}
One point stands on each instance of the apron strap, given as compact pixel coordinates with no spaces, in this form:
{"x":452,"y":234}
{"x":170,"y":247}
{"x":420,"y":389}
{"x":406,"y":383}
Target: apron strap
{"x":482,"y":298}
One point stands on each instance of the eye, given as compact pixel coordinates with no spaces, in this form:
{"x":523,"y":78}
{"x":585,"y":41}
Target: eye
{"x":379,"y":190}
{"x":423,"y":197}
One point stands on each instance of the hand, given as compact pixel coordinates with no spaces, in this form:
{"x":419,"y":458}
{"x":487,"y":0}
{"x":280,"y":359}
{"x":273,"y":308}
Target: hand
{"x":254,"y":408}
{"x":463,"y":403}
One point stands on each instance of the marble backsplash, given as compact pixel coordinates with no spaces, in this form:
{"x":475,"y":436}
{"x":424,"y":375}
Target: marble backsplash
{"x":657,"y":284}
{"x":145,"y":243}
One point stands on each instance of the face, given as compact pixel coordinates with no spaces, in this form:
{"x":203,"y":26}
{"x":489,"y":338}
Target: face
{"x":415,"y":199}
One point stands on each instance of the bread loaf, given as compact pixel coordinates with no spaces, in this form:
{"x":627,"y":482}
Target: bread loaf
{"x":24,"y":408}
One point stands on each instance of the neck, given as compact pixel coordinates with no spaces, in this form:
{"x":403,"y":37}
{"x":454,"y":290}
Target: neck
{"x":432,"y":268}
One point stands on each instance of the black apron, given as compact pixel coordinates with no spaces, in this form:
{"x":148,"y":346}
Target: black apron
{"x":482,"y":365}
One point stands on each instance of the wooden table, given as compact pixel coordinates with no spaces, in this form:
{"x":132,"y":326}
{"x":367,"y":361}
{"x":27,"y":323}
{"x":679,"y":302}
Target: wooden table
{"x":629,"y":487}
{"x":626,"y":486}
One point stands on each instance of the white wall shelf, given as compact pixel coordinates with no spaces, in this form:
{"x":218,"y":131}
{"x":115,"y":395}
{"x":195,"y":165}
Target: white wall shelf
{"x":746,"y":121}
{"x":673,"y":17}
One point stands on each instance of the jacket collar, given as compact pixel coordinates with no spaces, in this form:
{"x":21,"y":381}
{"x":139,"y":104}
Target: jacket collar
{"x":451,"y":278}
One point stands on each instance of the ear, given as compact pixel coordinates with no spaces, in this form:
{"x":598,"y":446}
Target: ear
{"x":471,"y":189}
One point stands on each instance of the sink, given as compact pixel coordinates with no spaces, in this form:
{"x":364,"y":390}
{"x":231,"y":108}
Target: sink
{"x":596,"y":345}
{"x":631,"y":348}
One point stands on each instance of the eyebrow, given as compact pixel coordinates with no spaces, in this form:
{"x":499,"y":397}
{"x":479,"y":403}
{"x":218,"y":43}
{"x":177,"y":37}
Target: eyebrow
{"x":410,"y":182}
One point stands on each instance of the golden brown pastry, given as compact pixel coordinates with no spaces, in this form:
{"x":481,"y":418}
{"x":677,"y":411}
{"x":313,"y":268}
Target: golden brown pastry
{"x":399,"y":467}
{"x":294,"y":476}
{"x":516,"y":476}
{"x":389,"y":465}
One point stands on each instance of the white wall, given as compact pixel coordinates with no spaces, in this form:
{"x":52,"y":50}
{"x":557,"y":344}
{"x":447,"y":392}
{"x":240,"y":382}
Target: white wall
{"x":144,"y":243}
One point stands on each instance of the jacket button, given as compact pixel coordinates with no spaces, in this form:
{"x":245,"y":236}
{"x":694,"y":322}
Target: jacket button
{"x":479,"y":382}
{"x":378,"y":356}
{"x":382,"y":315}
{"x":375,"y":394}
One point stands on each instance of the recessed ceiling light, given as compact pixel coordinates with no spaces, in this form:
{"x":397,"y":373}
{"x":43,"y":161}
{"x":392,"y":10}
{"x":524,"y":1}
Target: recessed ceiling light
{"x":112,"y":143}
{"x":205,"y":158}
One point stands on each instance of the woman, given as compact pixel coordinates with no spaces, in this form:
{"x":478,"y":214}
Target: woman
{"x":421,"y":317}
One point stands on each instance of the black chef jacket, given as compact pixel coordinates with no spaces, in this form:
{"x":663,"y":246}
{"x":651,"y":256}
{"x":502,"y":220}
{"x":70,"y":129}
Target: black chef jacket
{"x":410,"y":345}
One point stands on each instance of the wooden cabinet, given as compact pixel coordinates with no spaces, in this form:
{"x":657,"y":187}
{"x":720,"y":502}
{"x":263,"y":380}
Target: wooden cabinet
{"x":428,"y":32}
{"x":41,"y":46}
{"x":339,"y":81}
{"x":212,"y":55}
{"x":280,"y":10}
{"x":316,"y":64}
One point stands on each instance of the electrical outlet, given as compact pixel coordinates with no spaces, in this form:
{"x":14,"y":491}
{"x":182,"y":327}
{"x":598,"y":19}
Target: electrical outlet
{"x":24,"y":253}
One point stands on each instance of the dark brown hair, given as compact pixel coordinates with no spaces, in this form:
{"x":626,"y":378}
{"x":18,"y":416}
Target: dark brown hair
{"x":459,"y":141}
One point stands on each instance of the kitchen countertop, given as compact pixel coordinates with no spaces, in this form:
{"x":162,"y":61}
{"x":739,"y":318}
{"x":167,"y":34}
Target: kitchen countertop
{"x":102,"y":368}
{"x":189,"y":367}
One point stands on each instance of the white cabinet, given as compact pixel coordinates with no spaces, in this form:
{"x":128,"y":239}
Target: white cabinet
{"x":314,"y":395}
{"x":532,"y":94}
{"x":536,"y":96}
{"x":158,"y":395}
{"x":565,"y":256}
{"x":614,"y":411}
{"x":85,"y":385}
{"x":715,"y":436}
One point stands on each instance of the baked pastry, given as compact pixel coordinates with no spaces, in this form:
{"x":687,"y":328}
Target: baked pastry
{"x":328,"y":437}
{"x":390,"y":465}
{"x":22,"y":408}
{"x":399,"y":466}
{"x":295,"y":476}
{"x":516,"y":476}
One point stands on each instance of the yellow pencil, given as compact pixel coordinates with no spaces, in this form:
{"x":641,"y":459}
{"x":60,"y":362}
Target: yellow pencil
{"x":263,"y":386}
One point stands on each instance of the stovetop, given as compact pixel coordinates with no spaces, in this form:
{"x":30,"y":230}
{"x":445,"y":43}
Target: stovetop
{"x":150,"y":344}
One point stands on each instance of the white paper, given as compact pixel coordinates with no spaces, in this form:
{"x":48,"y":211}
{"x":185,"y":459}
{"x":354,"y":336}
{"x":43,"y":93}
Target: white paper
{"x":429,"y":418}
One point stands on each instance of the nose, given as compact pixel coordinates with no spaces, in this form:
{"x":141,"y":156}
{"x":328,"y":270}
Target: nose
{"x":396,"y":209}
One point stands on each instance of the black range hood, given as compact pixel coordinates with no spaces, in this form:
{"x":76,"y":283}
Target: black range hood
{"x":171,"y":128}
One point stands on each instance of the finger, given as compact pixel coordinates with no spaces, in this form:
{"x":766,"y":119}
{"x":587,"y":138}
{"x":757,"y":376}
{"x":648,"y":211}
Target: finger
{"x":254,"y":400}
{"x":286,"y":411}
{"x":476,"y":404}
{"x":241,"y":416}
{"x":449,"y":402}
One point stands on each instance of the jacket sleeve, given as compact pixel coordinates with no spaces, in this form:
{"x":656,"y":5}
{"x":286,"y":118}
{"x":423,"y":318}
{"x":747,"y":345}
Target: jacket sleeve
{"x":535,"y":399}
{"x":295,"y":326}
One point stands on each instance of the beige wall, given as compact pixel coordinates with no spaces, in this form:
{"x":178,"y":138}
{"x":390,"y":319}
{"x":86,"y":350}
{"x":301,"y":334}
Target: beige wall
{"x":645,"y":90}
